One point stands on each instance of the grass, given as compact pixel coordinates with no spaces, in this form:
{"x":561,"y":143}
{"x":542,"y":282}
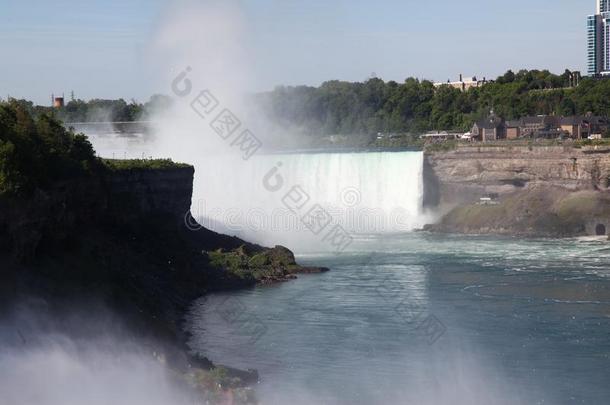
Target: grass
{"x":142,"y":164}
{"x":592,"y":142}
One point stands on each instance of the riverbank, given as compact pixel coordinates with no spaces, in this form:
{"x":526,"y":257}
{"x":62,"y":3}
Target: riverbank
{"x":515,"y":313}
{"x":535,"y":212}
{"x":550,"y":191}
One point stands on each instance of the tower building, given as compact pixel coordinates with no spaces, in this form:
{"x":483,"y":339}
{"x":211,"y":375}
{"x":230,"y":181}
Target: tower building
{"x":598,"y":39}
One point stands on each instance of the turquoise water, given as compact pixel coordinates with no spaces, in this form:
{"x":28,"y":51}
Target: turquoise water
{"x":425,"y":319}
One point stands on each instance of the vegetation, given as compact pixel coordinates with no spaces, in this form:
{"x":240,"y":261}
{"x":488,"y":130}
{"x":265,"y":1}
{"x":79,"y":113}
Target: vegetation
{"x":217,"y":386}
{"x":416,"y":105}
{"x":36,"y":151}
{"x":147,"y":164}
{"x":269,"y":265}
{"x":538,"y":211}
{"x":98,"y":110}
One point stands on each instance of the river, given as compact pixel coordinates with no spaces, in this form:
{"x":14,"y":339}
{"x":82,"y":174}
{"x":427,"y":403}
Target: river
{"x":403,"y":317}
{"x":425,"y":319}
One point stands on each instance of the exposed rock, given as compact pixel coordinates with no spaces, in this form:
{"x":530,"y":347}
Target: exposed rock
{"x":541,"y":191}
{"x":538,"y":211}
{"x":470,"y":172}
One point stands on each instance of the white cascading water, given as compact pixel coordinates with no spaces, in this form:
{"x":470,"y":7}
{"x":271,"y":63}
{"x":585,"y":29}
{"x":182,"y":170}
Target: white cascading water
{"x":266,"y":198}
{"x":270,"y":198}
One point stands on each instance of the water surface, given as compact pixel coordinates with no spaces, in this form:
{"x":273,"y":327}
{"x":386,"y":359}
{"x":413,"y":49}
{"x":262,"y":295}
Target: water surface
{"x":425,"y":319}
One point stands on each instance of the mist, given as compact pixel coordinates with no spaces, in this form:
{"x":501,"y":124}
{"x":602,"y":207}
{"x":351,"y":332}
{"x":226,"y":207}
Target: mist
{"x":456,"y":376}
{"x":202,"y":47}
{"x":83,"y":356}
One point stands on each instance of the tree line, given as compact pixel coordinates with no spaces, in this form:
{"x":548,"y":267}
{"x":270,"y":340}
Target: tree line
{"x":99,"y":110}
{"x":36,"y":151}
{"x":415,"y":106}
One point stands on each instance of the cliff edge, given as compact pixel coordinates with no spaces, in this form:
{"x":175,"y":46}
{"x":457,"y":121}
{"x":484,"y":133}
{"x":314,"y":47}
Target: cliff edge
{"x":119,"y":237}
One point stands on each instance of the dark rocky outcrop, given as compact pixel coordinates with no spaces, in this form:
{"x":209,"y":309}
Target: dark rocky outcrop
{"x":126,"y":238}
{"x":254,"y":265}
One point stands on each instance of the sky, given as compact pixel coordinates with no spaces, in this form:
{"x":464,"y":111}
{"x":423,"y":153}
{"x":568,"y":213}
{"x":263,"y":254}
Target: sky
{"x":102,"y":49}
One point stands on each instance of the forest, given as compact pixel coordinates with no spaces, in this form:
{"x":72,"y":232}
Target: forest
{"x":366,"y":108}
{"x":36,"y":151}
{"x":415,"y":106}
{"x":100,"y":110}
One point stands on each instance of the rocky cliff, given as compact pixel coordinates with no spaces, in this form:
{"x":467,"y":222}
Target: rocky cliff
{"x":470,"y":172}
{"x":119,"y":237}
{"x":539,"y":190}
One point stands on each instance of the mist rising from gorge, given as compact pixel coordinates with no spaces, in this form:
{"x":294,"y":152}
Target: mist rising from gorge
{"x":202,"y":47}
{"x":81,"y":356}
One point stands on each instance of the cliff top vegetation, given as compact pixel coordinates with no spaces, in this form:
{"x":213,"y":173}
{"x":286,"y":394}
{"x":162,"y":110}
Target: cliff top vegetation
{"x":36,"y":150}
{"x":142,"y":164}
{"x":416,"y":106}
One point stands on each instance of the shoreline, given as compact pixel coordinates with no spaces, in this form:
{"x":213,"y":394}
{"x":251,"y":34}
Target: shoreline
{"x":552,"y":191}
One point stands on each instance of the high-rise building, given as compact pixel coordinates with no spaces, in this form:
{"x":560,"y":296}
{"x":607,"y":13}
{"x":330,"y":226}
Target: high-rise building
{"x":598,"y":39}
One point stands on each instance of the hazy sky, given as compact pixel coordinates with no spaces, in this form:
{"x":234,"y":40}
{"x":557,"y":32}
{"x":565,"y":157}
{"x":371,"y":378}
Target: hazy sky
{"x":101,"y":48}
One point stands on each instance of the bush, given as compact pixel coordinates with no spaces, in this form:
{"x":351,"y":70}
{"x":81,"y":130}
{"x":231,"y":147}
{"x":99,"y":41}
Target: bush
{"x":149,"y":164}
{"x":36,"y":151}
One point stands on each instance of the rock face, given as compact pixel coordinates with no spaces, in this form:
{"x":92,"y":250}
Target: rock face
{"x":51,"y":218}
{"x":470,"y":172}
{"x":138,"y":193}
{"x":126,"y":238}
{"x":540,"y":191}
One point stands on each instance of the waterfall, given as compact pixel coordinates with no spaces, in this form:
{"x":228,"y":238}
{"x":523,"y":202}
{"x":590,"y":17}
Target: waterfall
{"x":296,"y":199}
{"x":269,"y":198}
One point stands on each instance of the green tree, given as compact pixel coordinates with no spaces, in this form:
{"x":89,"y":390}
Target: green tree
{"x":36,"y":151}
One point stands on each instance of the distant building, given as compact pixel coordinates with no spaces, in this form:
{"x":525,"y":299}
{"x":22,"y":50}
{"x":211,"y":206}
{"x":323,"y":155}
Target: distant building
{"x":58,"y":102}
{"x":513,"y":129}
{"x":575,"y":127}
{"x":585,"y":126}
{"x":462,"y":84}
{"x":489,"y":129}
{"x":597,"y":124}
{"x":598,"y":40}
{"x":540,"y":126}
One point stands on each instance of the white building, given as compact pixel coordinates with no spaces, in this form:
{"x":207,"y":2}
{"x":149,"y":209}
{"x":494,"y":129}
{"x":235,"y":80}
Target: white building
{"x":464,"y":83}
